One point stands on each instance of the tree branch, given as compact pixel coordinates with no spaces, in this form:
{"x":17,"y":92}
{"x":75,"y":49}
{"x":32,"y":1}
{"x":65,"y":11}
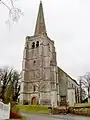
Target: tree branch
{"x":5,"y":5}
{"x":12,"y":3}
{"x":14,"y":13}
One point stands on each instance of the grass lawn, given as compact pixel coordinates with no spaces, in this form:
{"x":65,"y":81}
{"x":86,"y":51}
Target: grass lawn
{"x":37,"y":109}
{"x":82,"y":104}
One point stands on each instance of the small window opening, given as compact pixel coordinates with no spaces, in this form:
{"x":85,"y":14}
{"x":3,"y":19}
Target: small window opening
{"x":33,"y":45}
{"x":49,"y":46}
{"x":34,"y":88}
{"x":34,"y":61}
{"x":37,"y":44}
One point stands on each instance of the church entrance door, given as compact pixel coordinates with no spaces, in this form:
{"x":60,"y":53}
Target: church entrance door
{"x":34,"y":101}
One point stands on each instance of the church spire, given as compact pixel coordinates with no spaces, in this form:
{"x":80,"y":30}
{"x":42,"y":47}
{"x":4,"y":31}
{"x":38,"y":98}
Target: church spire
{"x":40,"y":23}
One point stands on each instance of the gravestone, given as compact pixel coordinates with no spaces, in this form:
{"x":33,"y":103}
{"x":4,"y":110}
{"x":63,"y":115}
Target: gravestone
{"x":4,"y":111}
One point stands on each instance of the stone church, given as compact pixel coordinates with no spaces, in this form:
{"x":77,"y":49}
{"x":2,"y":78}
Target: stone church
{"x":42,"y":81}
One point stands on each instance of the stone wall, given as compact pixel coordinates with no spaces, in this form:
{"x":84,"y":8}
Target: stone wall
{"x":65,"y":82}
{"x":63,"y":85}
{"x":39,"y":68}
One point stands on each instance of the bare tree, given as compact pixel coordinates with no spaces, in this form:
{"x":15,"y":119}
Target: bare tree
{"x":85,"y":83}
{"x":82,"y":91}
{"x":10,"y":87}
{"x":14,"y":12}
{"x":40,"y":86}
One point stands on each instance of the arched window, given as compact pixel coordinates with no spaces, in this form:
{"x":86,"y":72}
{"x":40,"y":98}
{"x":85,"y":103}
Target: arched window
{"x":37,"y":44}
{"x":33,"y":45}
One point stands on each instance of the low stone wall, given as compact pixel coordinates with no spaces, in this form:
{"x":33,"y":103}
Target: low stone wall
{"x":80,"y":110}
{"x":59,"y":110}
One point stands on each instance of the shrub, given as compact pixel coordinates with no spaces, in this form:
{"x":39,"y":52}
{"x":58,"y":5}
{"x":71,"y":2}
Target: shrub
{"x":15,"y":115}
{"x":15,"y":109}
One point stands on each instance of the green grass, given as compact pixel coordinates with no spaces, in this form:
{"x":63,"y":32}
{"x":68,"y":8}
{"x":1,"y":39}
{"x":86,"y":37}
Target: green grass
{"x":82,"y":104}
{"x":37,"y":109}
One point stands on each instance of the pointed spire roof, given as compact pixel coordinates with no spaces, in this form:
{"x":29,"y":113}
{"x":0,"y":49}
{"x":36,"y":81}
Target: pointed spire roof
{"x":40,"y":23}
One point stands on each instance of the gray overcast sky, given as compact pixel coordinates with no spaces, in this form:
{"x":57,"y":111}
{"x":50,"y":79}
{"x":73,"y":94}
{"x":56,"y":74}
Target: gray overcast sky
{"x":68,"y":24}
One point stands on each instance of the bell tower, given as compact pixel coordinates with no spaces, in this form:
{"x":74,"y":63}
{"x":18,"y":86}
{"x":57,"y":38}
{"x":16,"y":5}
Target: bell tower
{"x":39,"y":66}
